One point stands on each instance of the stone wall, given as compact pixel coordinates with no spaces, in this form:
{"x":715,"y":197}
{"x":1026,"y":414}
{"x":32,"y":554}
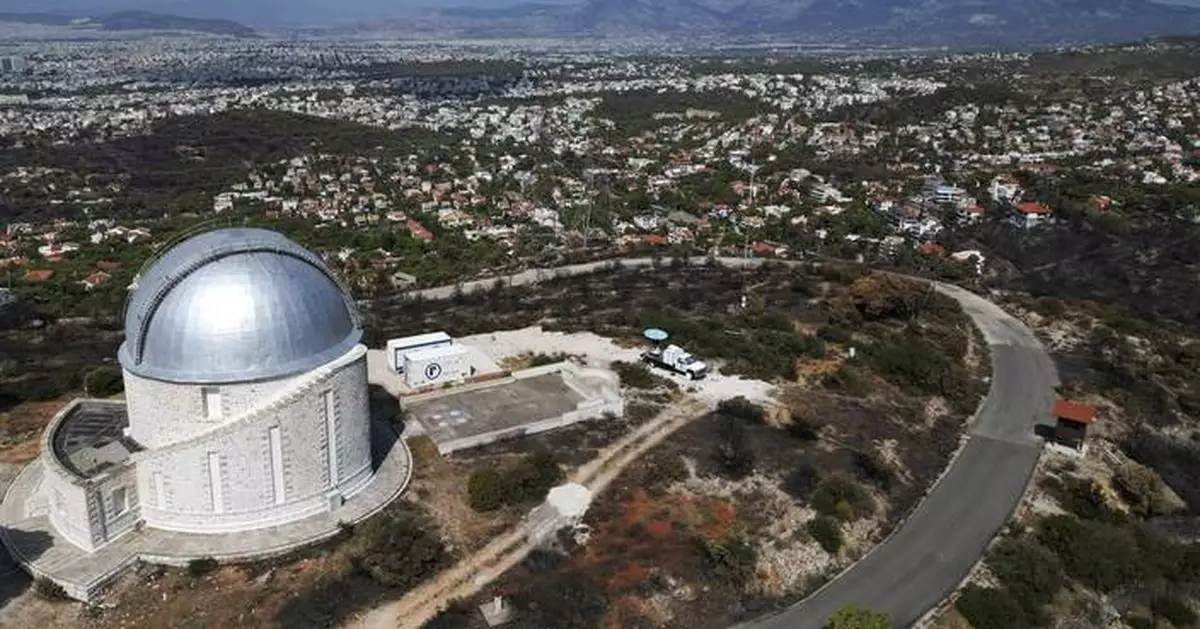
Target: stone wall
{"x":68,"y":507}
{"x":118,"y":519}
{"x":165,"y":413}
{"x":176,"y":483}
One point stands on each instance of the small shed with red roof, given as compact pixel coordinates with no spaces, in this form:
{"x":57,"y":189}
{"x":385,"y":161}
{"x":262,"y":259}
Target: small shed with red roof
{"x":1072,"y":421}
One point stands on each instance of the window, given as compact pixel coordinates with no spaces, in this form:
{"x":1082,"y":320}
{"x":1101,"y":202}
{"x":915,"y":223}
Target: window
{"x":212,"y":403}
{"x":120,"y":501}
{"x":331,"y":437}
{"x":216,"y":492}
{"x":276,"y":445}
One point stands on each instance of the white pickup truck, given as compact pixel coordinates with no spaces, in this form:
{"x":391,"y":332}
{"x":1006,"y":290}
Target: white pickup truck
{"x":674,"y":358}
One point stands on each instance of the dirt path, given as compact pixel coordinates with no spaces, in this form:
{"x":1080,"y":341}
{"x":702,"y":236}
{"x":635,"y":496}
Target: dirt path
{"x":472,"y":573}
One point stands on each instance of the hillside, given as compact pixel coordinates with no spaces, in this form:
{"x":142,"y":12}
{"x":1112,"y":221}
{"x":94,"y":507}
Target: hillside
{"x":969,"y":23}
{"x":133,"y":21}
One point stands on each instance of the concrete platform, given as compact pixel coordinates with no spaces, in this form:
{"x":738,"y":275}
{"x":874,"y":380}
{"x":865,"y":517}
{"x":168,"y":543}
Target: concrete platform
{"x":527,"y":402}
{"x":43,"y":553}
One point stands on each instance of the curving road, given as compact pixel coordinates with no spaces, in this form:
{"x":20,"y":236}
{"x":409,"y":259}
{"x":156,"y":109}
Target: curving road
{"x":927,"y":557}
{"x":929,"y":554}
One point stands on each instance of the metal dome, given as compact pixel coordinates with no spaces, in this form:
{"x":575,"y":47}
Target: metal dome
{"x":236,"y":305}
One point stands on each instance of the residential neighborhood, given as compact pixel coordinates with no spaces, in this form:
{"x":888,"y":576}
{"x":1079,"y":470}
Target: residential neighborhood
{"x":727,"y":319}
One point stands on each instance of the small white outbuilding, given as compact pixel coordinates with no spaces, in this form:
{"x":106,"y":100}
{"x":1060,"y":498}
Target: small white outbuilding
{"x":564,"y":507}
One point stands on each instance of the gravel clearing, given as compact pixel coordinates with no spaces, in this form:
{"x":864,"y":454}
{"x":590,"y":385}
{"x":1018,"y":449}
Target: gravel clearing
{"x":599,"y":351}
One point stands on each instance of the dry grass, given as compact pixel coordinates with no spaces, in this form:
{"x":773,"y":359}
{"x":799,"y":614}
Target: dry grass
{"x":439,"y":484}
{"x":21,"y":430}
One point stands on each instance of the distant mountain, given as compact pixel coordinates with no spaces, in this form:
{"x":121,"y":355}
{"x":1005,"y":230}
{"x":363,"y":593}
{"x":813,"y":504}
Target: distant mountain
{"x":46,"y":19}
{"x":979,"y":21}
{"x":904,"y":22}
{"x":133,"y":20}
{"x":144,"y":20}
{"x":504,"y":13}
{"x":620,"y":17}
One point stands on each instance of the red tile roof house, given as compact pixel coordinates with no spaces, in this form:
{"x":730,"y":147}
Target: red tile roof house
{"x":932,"y":249}
{"x":1029,"y":214}
{"x":418,"y":230}
{"x":763,"y":248}
{"x":1072,"y":419}
{"x":95,"y":279}
{"x":39,"y":275}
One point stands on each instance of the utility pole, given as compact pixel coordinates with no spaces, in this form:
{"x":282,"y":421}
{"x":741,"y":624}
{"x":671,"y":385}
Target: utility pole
{"x":587,"y":216}
{"x":753,"y":207}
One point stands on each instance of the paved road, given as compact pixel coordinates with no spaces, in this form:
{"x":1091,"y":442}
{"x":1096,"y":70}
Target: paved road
{"x":928,"y":556}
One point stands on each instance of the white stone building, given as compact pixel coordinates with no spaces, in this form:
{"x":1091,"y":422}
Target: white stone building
{"x":246,"y":407}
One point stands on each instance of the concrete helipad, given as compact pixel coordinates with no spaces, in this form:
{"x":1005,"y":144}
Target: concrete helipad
{"x":527,"y":402}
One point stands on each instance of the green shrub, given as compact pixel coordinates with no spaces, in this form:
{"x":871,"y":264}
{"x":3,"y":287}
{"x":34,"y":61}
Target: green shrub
{"x":835,"y":334}
{"x":202,"y":566}
{"x":104,"y":381}
{"x":531,"y":477}
{"x":1049,"y":307}
{"x":775,"y":320}
{"x":48,"y":590}
{"x":799,"y":483}
{"x":43,"y":388}
{"x":665,"y":469}
{"x":1083,"y":498}
{"x":838,"y":488}
{"x":526,"y":480}
{"x":859,"y":617}
{"x":742,"y":408}
{"x":813,"y":347}
{"x":1098,"y":554}
{"x":485,"y":489}
{"x":909,"y":360}
{"x":1174,"y":609}
{"x":847,"y":379}
{"x":805,"y":286}
{"x":733,"y":558}
{"x":457,"y":615}
{"x":989,"y":608}
{"x":873,"y":468}
{"x":1143,"y":488}
{"x":1030,"y":573}
{"x":802,"y":428}
{"x":397,"y":549}
{"x":733,"y":448}
{"x":634,"y":375}
{"x":827,"y":531}
{"x":541,"y":360}
{"x":1139,"y":620}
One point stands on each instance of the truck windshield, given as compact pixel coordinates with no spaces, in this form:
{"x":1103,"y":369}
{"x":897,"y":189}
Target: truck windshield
{"x":686,"y":360}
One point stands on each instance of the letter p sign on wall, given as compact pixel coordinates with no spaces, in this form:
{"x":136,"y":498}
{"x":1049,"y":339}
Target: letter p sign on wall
{"x":433,"y":371}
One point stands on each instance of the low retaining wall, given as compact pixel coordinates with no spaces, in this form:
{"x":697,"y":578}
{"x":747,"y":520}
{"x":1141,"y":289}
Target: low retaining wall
{"x":588,"y":409}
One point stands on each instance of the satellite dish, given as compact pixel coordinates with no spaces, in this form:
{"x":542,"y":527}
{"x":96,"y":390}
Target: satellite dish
{"x":655,"y":334}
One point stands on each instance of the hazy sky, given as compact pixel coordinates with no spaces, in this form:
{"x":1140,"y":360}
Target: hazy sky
{"x":281,"y":12}
{"x":257,"y":12}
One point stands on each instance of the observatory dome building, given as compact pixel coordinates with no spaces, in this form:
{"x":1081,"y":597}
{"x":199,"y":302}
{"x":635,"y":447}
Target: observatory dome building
{"x":246,"y":408}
